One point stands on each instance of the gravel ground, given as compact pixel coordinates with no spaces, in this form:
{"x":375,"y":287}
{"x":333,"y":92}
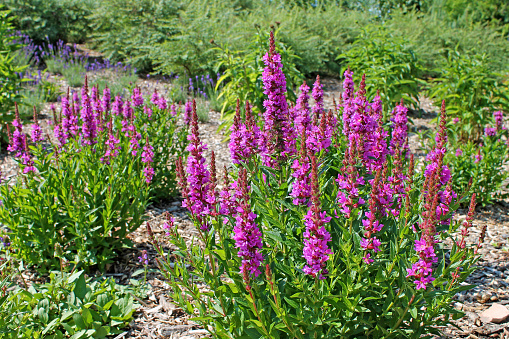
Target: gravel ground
{"x":158,"y":317}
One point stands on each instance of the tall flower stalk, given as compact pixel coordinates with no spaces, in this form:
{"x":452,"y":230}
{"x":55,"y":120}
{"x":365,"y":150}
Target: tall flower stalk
{"x":278,"y":134}
{"x":198,"y":177}
{"x":247,"y":235}
{"x":316,"y":251}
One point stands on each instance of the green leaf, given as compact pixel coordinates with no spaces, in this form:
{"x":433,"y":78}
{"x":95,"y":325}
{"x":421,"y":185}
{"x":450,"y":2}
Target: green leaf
{"x":80,"y":288}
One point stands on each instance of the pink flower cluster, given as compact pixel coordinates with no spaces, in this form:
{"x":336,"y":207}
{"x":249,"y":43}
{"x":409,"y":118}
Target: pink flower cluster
{"x":247,"y":235}
{"x":301,"y":189}
{"x":399,"y":128}
{"x":278,"y":134}
{"x":147,"y":157}
{"x":18,"y":143}
{"x":362,"y":124}
{"x":244,"y":136}
{"x":316,"y":251}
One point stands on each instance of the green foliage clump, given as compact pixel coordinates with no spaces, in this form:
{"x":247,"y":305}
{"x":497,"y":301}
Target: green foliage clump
{"x":123,"y":30}
{"x":483,"y":165}
{"x":242,"y":76}
{"x":69,"y":305}
{"x":52,"y":20}
{"x":9,"y":79}
{"x":471,"y":92}
{"x":391,"y":64}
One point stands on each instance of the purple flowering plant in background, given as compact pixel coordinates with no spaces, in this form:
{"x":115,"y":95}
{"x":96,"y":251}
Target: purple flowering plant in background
{"x":106,"y":158}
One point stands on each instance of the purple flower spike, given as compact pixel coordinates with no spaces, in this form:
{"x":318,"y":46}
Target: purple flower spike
{"x":247,"y":235}
{"x":244,"y":136}
{"x":499,"y":119}
{"x":136,"y":97}
{"x":147,"y":157}
{"x":301,"y":189}
{"x":399,"y":128}
{"x":318,"y":97}
{"x":316,"y":251}
{"x":36,"y":130}
{"x":18,"y":139}
{"x":279,"y":138}
{"x":198,"y":179}
{"x":302,"y":118}
{"x":143,"y":259}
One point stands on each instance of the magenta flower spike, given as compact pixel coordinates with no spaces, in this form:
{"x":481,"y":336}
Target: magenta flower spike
{"x":17,"y":141}
{"x":236,"y":136}
{"x":499,"y":120}
{"x":302,"y":116}
{"x":316,"y":251}
{"x":399,"y":129}
{"x":318,"y":97}
{"x":89,"y":126}
{"x":173,"y":110}
{"x":436,"y":204}
{"x":301,"y":188}
{"x":106,"y":100}
{"x":147,"y":157}
{"x":112,"y":147}
{"x":136,"y":97}
{"x":198,"y":177}
{"x":278,"y":135}
{"x":118,"y":106}
{"x":36,"y":130}
{"x":247,"y":235}
{"x":244,"y":136}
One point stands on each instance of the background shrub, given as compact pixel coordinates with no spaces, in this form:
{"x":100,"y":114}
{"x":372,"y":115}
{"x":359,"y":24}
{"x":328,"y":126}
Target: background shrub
{"x":390,"y":62}
{"x":52,"y":20}
{"x":9,"y":79}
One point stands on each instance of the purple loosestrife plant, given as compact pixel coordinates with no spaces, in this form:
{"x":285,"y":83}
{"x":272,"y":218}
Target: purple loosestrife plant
{"x":90,"y":190}
{"x":147,"y":157}
{"x":399,"y":129}
{"x":36,"y":130}
{"x":17,"y":140}
{"x":89,"y":126}
{"x":346,"y":258}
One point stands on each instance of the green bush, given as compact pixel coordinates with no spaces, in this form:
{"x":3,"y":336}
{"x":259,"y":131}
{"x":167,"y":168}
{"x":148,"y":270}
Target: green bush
{"x":9,"y":79}
{"x":483,"y":164}
{"x":52,"y":20}
{"x":471,"y":92}
{"x":242,"y":76}
{"x":174,"y":37}
{"x":389,"y":62}
{"x":123,"y":28}
{"x":68,"y":305}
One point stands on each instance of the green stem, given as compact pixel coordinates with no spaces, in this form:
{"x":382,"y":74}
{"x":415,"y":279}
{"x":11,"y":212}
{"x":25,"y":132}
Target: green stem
{"x":258,"y":314}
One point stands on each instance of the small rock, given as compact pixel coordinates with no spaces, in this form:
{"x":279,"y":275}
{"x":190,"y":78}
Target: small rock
{"x":485,"y":297}
{"x":495,"y":314}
